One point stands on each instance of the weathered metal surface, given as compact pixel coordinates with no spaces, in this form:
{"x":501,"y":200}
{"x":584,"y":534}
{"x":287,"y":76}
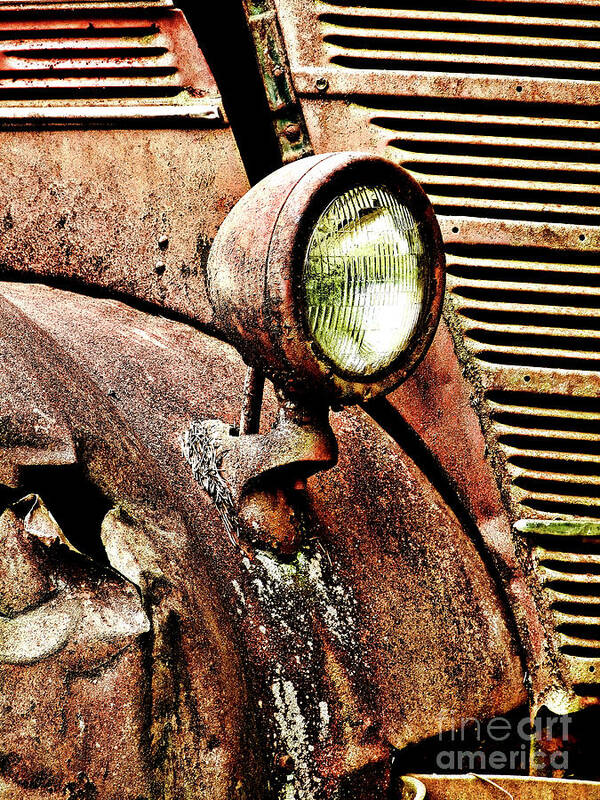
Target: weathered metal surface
{"x":132,"y":213}
{"x":254,"y":387}
{"x":247,"y":475}
{"x":438,"y":403}
{"x":423,"y":582}
{"x":168,"y":717}
{"x":494,"y":112}
{"x":84,"y":5}
{"x":286,"y":112}
{"x":564,"y":561}
{"x":382,"y":616}
{"x":83,"y":65}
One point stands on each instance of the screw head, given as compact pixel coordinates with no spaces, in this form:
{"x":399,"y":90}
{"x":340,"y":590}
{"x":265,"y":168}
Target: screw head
{"x":322,"y":84}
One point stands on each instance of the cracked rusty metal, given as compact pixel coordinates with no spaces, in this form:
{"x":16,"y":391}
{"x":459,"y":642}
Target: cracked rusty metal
{"x":175,"y":687}
{"x":84,"y":202}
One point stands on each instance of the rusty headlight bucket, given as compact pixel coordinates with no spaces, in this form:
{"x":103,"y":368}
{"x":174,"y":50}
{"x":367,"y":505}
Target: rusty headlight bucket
{"x":328,"y":276}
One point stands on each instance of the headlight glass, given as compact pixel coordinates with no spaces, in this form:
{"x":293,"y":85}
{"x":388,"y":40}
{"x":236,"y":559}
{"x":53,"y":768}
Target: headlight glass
{"x":365,"y":280}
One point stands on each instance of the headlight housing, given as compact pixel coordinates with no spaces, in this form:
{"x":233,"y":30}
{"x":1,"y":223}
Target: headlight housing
{"x":329,"y":276}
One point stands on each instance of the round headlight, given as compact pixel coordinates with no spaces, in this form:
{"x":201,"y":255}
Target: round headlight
{"x":329,"y":276}
{"x":365,"y":280}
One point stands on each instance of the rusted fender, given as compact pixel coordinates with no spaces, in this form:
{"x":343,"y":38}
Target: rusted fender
{"x":434,"y":627}
{"x":441,"y":406}
{"x":348,"y":645}
{"x":120,"y":680}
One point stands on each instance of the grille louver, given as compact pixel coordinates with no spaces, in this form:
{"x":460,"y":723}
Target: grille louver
{"x":485,"y":38}
{"x":501,"y":162}
{"x":566,"y":561}
{"x":552,"y":448}
{"x":493,"y":107}
{"x":92,"y":55}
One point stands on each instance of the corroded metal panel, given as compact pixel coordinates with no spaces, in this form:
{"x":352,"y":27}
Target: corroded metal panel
{"x":331,"y":635}
{"x":564,"y":562}
{"x":134,"y":213}
{"x":111,"y":708}
{"x":118,"y":165}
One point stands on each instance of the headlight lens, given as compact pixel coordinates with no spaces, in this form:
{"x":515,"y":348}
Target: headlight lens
{"x":364,"y":280}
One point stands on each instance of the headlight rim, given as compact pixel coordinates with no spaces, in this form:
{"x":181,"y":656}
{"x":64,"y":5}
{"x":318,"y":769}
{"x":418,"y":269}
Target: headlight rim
{"x":259,"y":305}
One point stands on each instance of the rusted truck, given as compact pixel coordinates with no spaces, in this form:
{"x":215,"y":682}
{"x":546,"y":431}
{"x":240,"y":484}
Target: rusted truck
{"x":299,"y":420}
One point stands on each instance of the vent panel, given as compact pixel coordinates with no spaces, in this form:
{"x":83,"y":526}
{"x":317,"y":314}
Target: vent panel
{"x":499,"y":165}
{"x":557,"y":12}
{"x":94,"y":55}
{"x":566,"y":563}
{"x":551,"y":444}
{"x":531,"y":307}
{"x":487,"y":38}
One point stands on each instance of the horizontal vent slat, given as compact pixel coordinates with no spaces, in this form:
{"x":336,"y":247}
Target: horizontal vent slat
{"x":112,"y":56}
{"x":479,"y":51}
{"x":517,"y":297}
{"x":412,"y":62}
{"x":374,"y":19}
{"x":578,"y":9}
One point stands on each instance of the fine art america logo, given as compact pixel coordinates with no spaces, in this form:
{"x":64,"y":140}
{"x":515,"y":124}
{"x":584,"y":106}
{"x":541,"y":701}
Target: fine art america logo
{"x":501,"y":745}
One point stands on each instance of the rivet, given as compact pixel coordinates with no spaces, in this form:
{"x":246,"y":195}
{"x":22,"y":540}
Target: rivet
{"x":322,"y":84}
{"x":160,"y":267}
{"x":163,"y":242}
{"x":292,"y":132}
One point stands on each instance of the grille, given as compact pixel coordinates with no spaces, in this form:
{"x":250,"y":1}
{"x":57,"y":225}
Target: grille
{"x":492,"y":106}
{"x":501,"y":160}
{"x":566,"y":561}
{"x":93,"y":55}
{"x":528,"y":307}
{"x":551,"y":444}
{"x":478,"y":37}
